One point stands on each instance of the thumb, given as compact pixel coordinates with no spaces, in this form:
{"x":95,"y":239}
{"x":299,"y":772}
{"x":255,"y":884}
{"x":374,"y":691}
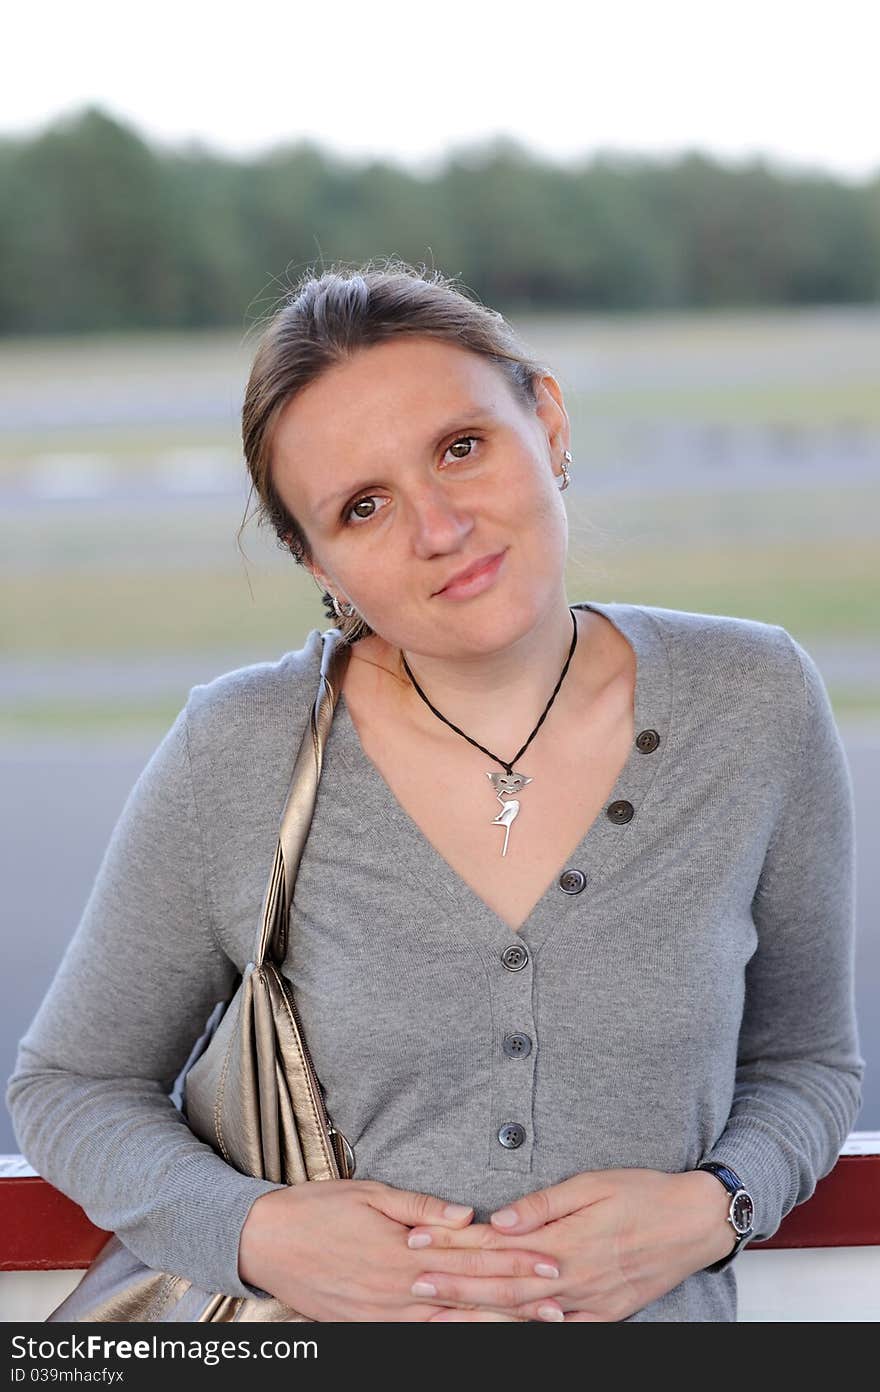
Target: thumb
{"x":413,"y":1208}
{"x":542,"y":1206}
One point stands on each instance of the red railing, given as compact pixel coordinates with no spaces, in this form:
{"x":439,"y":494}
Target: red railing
{"x":42,"y":1230}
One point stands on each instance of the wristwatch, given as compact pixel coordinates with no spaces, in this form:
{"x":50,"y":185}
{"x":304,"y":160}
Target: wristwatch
{"x":741,"y":1213}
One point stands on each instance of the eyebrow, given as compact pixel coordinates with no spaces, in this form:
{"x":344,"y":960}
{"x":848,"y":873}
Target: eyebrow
{"x":468,"y":415}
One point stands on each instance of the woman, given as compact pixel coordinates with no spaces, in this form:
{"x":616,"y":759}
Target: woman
{"x":575,"y":914}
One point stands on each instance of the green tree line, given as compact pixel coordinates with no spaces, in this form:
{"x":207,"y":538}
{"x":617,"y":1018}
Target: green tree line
{"x":99,"y":230}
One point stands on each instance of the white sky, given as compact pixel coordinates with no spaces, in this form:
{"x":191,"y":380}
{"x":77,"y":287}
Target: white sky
{"x":793,"y":79}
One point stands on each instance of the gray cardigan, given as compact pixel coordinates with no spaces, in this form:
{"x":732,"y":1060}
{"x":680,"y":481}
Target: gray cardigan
{"x":693,"y":1001}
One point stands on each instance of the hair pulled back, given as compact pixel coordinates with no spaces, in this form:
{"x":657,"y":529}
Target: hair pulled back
{"x":325,"y":320}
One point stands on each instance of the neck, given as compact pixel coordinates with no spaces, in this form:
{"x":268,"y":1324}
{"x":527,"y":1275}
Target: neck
{"x":496,"y":698}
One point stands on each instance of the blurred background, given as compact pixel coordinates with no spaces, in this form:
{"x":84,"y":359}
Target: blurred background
{"x":684,"y":224}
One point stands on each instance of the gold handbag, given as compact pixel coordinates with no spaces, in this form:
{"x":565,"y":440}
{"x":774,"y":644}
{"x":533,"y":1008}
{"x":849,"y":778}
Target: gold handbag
{"x":253,"y":1094}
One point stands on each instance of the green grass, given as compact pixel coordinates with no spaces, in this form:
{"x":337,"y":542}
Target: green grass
{"x":85,"y":718}
{"x":83,"y":613}
{"x":818,"y":591}
{"x":809,"y":405}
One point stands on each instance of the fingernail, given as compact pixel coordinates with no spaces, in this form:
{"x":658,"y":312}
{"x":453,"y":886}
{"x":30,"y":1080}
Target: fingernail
{"x":505,"y":1218}
{"x":420,"y":1239}
{"x":457,"y":1210}
{"x":543,"y":1269}
{"x":551,"y":1312}
{"x":422,"y":1288}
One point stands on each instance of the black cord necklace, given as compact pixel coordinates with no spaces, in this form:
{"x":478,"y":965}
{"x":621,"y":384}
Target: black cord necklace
{"x":509,"y":782}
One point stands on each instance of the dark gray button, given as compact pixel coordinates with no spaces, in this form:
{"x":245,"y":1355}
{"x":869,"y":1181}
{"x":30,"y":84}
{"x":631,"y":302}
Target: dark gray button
{"x":517,"y":1045}
{"x":514,"y":957}
{"x":647,"y":741}
{"x":620,"y":812}
{"x":511,"y":1135}
{"x":572,"y":881}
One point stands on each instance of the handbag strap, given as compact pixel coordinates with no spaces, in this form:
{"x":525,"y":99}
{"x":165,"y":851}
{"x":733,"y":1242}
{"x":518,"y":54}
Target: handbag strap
{"x":296,"y":818}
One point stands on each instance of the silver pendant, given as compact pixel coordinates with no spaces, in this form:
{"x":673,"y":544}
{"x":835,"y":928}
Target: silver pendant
{"x":507,"y":783}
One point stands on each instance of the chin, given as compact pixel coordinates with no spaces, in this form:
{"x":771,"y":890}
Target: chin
{"x":488,"y":626}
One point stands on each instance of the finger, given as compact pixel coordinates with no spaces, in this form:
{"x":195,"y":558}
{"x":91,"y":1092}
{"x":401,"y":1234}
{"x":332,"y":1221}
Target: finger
{"x":546,"y":1311}
{"x":473,"y":1316}
{"x":584,"y":1317}
{"x":515,"y":1262}
{"x":410,"y":1207}
{"x":473,"y":1236}
{"x":425,"y":1311}
{"x":497,"y":1292}
{"x":546,"y":1205}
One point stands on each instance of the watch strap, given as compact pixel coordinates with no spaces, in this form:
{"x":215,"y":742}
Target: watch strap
{"x":734,"y":1185}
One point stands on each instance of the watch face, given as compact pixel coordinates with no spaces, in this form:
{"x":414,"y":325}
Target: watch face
{"x":742,"y":1212}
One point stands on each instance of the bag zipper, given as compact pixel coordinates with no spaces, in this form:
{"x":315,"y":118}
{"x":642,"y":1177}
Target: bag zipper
{"x":341,"y":1148}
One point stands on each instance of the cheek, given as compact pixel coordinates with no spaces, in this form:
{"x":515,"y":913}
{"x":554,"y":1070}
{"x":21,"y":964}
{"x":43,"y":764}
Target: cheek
{"x":542,"y":511}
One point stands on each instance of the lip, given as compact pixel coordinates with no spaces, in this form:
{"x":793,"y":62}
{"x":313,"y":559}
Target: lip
{"x":474,"y":577}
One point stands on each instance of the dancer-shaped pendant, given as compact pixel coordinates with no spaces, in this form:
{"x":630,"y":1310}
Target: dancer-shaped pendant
{"x":507,"y":783}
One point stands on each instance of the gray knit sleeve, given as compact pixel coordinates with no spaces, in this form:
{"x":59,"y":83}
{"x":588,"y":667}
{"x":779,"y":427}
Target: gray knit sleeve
{"x":89,"y":1095}
{"x":799,"y":1070}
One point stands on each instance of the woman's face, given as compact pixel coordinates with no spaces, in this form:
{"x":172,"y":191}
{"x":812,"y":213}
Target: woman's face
{"x":409,"y":463}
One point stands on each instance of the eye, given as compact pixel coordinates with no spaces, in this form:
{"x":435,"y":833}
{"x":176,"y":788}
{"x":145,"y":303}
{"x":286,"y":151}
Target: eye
{"x":349,"y":514}
{"x":463,"y":440}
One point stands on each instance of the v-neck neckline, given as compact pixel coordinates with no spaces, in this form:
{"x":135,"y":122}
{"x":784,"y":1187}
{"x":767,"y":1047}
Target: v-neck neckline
{"x":605,"y":845}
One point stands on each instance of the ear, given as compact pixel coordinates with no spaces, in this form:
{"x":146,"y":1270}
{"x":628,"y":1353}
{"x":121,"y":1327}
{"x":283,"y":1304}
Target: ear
{"x":551,"y":410}
{"x":324,"y":584}
{"x":320,"y":579}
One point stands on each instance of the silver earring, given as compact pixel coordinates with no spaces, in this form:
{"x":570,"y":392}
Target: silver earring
{"x":565,"y":476}
{"x":341,"y":612}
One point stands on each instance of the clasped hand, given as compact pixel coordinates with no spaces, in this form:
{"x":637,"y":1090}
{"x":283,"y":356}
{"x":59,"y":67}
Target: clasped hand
{"x":598,"y":1246}
{"x":618,"y":1239}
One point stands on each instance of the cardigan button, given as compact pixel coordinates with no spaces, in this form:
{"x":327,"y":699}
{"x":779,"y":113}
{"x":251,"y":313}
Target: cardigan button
{"x":620,"y":812}
{"x":514,"y":957}
{"x":517,"y":1045}
{"x":572,"y":881}
{"x":511,"y":1135}
{"x":647,"y":741}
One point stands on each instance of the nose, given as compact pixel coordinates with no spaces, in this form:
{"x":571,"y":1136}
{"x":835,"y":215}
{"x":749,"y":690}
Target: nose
{"x":439,"y":526}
